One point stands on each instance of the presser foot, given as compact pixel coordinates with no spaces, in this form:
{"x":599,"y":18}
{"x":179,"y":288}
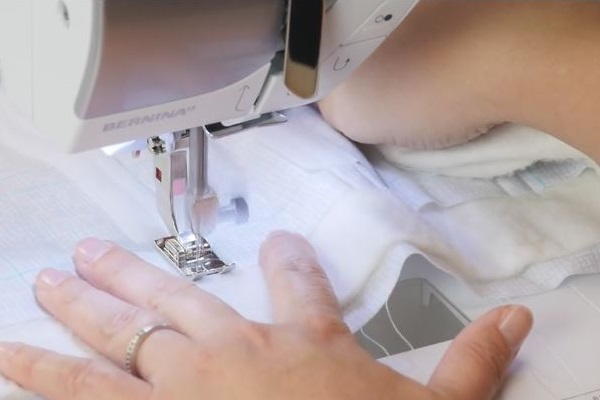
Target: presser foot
{"x":193,"y":257}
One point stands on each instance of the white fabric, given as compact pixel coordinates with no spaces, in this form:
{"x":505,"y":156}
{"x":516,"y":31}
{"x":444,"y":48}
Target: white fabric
{"x":517,"y":211}
{"x":293,"y":176}
{"x":301,"y":176}
{"x":504,"y":150}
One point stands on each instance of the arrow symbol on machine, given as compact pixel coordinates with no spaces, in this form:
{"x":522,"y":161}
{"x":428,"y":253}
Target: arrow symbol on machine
{"x":239,"y":103}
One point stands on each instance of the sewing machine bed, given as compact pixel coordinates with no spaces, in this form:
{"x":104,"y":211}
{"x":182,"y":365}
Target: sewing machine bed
{"x":560,"y":360}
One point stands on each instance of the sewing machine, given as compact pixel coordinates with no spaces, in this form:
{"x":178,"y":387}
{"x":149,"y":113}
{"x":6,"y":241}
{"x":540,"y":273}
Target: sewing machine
{"x":92,"y":73}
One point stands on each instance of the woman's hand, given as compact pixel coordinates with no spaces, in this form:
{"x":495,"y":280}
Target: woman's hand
{"x":214,"y":353}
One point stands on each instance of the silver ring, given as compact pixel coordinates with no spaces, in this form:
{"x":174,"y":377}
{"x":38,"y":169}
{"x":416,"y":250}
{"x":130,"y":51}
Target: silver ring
{"x":133,"y":348}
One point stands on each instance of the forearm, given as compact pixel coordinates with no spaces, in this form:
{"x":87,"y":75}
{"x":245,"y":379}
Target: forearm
{"x":424,"y":88}
{"x":452,"y":70}
{"x":559,"y":89}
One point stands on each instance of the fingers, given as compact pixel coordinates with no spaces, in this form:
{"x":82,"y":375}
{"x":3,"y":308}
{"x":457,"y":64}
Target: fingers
{"x":105,"y":322}
{"x":39,"y":370}
{"x":300,"y":290}
{"x":117,"y":271}
{"x":474,"y":366}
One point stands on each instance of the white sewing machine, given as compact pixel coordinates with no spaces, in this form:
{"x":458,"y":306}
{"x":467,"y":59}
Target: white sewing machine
{"x":92,"y":73}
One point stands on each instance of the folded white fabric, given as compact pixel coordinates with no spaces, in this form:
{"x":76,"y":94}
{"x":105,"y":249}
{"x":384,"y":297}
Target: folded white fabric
{"x":504,"y":150}
{"x":517,"y":210}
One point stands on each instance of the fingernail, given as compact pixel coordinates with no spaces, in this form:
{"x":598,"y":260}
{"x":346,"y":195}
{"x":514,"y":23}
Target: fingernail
{"x":516,"y":325}
{"x":288,"y":247}
{"x":53,"y":277}
{"x":91,"y":250}
{"x":277,"y":234}
{"x":7,"y":350}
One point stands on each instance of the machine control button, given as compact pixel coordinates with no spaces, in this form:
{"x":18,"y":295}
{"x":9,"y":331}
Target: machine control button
{"x":383,"y":20}
{"x":245,"y":100}
{"x":235,"y":101}
{"x":345,"y":60}
{"x":341,"y":64}
{"x":342,"y":20}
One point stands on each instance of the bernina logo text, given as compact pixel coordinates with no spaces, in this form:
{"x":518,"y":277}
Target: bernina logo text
{"x":148,"y":119}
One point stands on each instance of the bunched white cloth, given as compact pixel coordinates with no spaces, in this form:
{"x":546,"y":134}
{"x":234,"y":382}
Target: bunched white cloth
{"x":517,"y":209}
{"x":305,"y":177}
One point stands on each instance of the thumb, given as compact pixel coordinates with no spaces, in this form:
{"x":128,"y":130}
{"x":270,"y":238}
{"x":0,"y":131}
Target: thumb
{"x":474,"y":366}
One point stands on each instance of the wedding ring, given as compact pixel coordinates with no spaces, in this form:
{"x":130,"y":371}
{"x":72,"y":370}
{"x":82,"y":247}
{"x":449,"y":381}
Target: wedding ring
{"x":134,"y":346}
